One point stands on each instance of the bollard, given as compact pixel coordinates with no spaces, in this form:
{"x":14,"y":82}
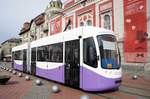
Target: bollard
{"x":38,"y":82}
{"x":10,"y":70}
{"x":84,"y":97}
{"x":55,"y":89}
{"x":20,"y":74}
{"x":135,"y":77}
{"x":7,"y":69}
{"x":14,"y":72}
{"x":27,"y":78}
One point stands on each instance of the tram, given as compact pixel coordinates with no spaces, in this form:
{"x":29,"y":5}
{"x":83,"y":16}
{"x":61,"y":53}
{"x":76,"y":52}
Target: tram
{"x":86,"y":57}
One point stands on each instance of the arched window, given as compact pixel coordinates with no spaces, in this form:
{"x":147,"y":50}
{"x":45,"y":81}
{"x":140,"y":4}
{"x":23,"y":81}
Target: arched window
{"x":69,"y":27}
{"x":89,"y":23}
{"x":81,"y":24}
{"x":107,"y":24}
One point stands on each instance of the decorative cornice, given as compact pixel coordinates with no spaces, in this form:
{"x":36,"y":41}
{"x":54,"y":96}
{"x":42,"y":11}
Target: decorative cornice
{"x":39,"y":19}
{"x":12,"y":40}
{"x":26,"y":28}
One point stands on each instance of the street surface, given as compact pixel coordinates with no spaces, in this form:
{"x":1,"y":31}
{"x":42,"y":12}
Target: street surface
{"x":19,"y":88}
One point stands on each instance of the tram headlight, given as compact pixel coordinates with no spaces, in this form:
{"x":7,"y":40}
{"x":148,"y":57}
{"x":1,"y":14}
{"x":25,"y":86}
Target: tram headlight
{"x":109,"y":66}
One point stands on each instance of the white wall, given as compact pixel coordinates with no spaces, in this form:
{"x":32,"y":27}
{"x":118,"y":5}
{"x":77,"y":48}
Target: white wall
{"x":118,"y":18}
{"x":148,"y":16}
{"x":148,"y":30}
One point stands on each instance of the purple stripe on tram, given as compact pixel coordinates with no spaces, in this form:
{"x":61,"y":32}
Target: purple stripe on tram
{"x":92,"y":81}
{"x":18,"y":67}
{"x":89,"y":80}
{"x":56,"y":74}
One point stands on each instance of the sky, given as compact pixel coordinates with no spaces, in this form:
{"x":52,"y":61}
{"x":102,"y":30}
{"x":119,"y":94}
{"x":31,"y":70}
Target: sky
{"x":13,"y":13}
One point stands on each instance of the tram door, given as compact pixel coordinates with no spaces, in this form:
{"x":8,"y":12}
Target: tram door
{"x":33,"y":61}
{"x":13,"y":56}
{"x":72,"y":63}
{"x":24,"y":60}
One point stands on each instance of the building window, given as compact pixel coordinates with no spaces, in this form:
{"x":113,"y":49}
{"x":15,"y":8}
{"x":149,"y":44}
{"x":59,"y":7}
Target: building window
{"x":86,"y":18}
{"x":107,"y":22}
{"x":52,"y":27}
{"x":86,"y":23}
{"x":89,"y":23}
{"x":81,"y":24}
{"x":27,"y":35}
{"x":106,"y":19}
{"x":42,"y":36}
{"x":69,"y":27}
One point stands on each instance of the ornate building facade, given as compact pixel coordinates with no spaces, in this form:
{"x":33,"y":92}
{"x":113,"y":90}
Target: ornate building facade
{"x":35,"y":29}
{"x":127,"y":18}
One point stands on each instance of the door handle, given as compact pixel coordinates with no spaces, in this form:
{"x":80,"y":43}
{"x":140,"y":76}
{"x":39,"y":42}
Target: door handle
{"x":67,"y":66}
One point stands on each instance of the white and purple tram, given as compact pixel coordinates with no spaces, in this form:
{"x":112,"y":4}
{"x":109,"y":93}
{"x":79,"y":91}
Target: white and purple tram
{"x":85,"y":57}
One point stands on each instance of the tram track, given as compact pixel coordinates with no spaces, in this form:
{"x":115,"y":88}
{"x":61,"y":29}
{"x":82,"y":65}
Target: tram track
{"x":135,"y":91}
{"x":110,"y":96}
{"x":125,"y":85}
{"x":127,"y":91}
{"x":107,"y":96}
{"x":104,"y":96}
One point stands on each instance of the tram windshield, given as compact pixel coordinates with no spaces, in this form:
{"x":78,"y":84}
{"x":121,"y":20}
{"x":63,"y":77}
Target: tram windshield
{"x":110,"y":58}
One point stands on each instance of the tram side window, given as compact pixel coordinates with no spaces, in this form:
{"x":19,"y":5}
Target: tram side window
{"x":18,"y":55}
{"x":42,"y":53}
{"x":56,"y":52}
{"x":89,"y":52}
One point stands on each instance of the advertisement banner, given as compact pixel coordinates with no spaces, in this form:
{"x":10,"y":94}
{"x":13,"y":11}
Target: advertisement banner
{"x":135,"y":31}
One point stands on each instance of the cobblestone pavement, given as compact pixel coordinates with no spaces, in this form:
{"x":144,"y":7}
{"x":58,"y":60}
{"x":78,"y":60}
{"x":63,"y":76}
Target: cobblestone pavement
{"x":19,"y":88}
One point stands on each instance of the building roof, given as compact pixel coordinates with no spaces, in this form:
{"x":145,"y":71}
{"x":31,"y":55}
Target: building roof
{"x":25,"y":28}
{"x":38,"y":20}
{"x":12,"y":40}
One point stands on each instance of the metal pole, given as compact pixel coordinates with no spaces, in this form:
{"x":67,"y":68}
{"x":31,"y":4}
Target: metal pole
{"x":28,"y":54}
{"x":135,"y":74}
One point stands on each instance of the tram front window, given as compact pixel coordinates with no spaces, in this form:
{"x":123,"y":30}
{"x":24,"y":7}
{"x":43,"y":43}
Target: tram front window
{"x":108,"y":51}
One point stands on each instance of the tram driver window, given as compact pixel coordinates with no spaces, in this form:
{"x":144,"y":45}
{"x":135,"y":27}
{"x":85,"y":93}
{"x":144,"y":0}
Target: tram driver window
{"x":89,"y":52}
